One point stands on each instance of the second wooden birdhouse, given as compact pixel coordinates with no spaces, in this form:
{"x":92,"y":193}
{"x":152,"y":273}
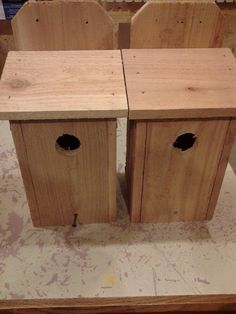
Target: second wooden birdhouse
{"x":182,"y":109}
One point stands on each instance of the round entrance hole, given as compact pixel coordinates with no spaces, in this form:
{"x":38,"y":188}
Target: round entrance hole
{"x":185,"y":141}
{"x":67,"y":142}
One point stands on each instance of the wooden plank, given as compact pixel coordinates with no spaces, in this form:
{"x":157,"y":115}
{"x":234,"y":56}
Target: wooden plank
{"x":228,"y":143}
{"x":62,"y":25}
{"x":25,"y":171}
{"x":135,"y":163}
{"x":177,"y":183}
{"x":147,"y":304}
{"x":111,"y":125}
{"x":62,"y":85}
{"x":180,"y":83}
{"x":177,"y":24}
{"x":121,"y":13}
{"x":64,"y":181}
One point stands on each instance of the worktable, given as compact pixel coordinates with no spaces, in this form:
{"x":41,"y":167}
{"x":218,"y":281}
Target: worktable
{"x":111,"y":260}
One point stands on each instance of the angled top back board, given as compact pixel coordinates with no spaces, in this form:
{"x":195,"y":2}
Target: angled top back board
{"x":177,"y":24}
{"x":62,"y":25}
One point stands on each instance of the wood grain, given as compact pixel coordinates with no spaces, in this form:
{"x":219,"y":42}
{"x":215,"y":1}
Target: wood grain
{"x":180,"y":83}
{"x":177,"y":184}
{"x":136,"y":143}
{"x":62,"y":85}
{"x":228,"y":143}
{"x":111,"y":133}
{"x":68,"y":182}
{"x":122,"y":12}
{"x":177,"y":24}
{"x":62,"y":25}
{"x":195,"y":303}
{"x":23,"y":160}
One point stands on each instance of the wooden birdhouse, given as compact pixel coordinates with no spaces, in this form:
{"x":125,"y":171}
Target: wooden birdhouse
{"x":62,"y":107}
{"x":182,"y":109}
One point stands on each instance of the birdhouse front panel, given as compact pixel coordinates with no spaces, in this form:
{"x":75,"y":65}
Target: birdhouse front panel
{"x":180,"y":166}
{"x":71,"y":169}
{"x":182,"y":109}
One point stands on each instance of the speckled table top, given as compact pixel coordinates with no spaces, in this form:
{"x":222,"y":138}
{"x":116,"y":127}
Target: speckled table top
{"x":119,"y":259}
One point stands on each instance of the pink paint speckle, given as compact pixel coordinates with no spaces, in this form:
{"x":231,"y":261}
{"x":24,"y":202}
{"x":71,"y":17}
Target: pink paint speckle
{"x":206,"y":282}
{"x":15,"y":226}
{"x":7,"y":286}
{"x":52,"y":280}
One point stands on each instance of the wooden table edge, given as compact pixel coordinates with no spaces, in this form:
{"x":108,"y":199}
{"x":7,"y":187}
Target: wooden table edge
{"x":223,"y":302}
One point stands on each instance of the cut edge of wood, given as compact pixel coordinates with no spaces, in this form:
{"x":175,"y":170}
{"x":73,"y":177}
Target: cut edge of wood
{"x":128,"y":304}
{"x":111,"y":133}
{"x":197,"y":113}
{"x":136,"y":153}
{"x":61,"y":115}
{"x":140,"y":11}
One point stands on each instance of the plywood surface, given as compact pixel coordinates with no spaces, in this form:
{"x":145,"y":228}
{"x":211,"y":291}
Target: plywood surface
{"x":111,"y":260}
{"x":67,"y":183}
{"x":177,"y":184}
{"x":62,"y":25}
{"x":180,"y":83}
{"x":62,"y":84}
{"x":177,"y":24}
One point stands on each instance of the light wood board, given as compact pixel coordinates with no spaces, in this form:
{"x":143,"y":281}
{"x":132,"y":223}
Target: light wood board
{"x":177,"y":24}
{"x":18,"y":137}
{"x":62,"y":85}
{"x":177,"y":184}
{"x":62,"y":25}
{"x":121,"y":13}
{"x":60,"y":184}
{"x":136,"y":143}
{"x":180,"y":83}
